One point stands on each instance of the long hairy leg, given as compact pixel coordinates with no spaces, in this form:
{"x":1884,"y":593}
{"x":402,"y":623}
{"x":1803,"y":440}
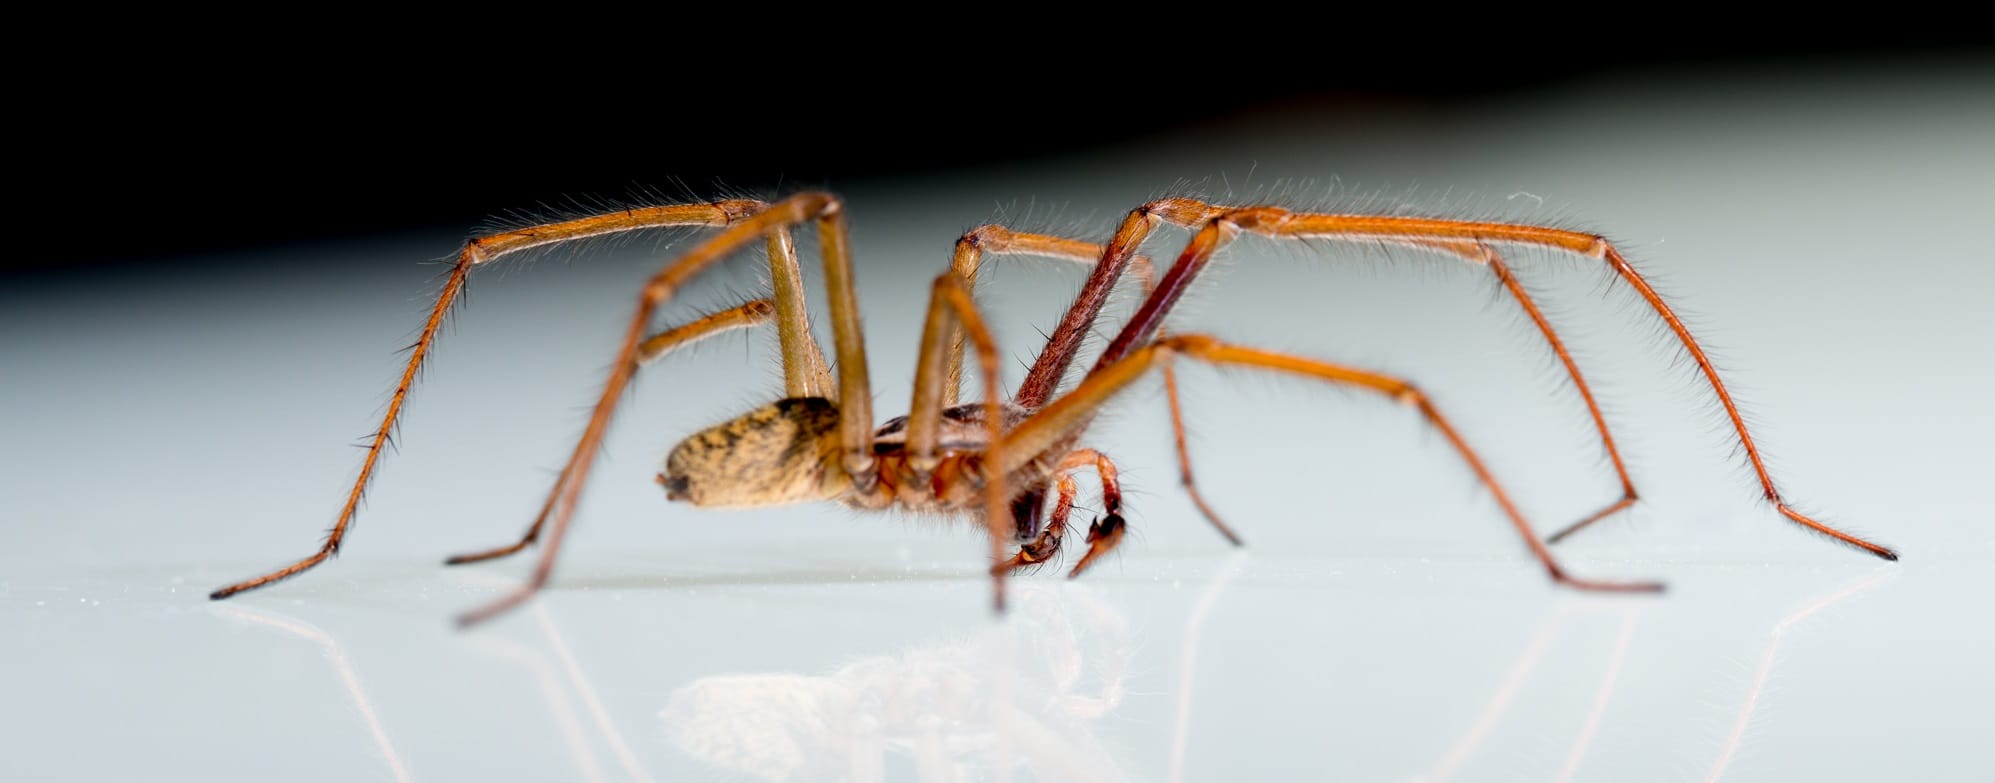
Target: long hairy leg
{"x":476,"y":252}
{"x":1483,"y":254}
{"x":1060,"y":419}
{"x":949,"y":308}
{"x":991,"y":241}
{"x":1216,"y":227}
{"x":1184,"y":458}
{"x":804,"y":370}
{"x":1043,"y":380}
{"x":979,"y":243}
{"x":855,"y":396}
{"x":753,"y":313}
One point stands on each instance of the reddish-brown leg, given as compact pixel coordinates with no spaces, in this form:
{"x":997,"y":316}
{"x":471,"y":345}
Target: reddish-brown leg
{"x":855,"y":395}
{"x":1184,"y":458}
{"x":1487,"y":256}
{"x":1108,"y":261}
{"x":950,"y":307}
{"x":753,"y":313}
{"x":994,"y":240}
{"x":1065,"y":342}
{"x":475,"y":252}
{"x":1059,"y":420}
{"x":997,"y":241}
{"x":1043,"y":547}
{"x":1216,"y":227}
{"x":1103,"y":534}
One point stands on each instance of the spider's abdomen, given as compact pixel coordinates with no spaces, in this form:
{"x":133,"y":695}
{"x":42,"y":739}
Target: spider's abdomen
{"x":783,"y":452}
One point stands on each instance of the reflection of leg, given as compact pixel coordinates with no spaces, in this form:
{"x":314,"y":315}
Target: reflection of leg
{"x":566,"y":722}
{"x":1499,"y":703}
{"x":587,"y":693}
{"x":1766,"y":669}
{"x":1188,"y":659}
{"x":347,"y":676}
{"x":1600,"y":699}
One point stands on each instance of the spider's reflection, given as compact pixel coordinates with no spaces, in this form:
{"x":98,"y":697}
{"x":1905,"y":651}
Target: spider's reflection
{"x":1027,"y":699}
{"x":1023,"y":692}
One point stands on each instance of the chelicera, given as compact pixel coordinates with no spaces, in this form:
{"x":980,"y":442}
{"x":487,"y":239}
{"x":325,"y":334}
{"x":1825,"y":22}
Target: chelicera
{"x":998,"y":461}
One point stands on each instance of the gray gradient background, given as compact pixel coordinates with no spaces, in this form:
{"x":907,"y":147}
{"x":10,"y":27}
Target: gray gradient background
{"x":170,"y":432}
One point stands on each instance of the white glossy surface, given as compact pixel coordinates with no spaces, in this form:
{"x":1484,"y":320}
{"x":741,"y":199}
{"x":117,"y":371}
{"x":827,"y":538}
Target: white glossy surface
{"x":171,"y":433}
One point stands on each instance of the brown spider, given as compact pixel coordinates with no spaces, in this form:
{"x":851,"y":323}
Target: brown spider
{"x":996,"y":460}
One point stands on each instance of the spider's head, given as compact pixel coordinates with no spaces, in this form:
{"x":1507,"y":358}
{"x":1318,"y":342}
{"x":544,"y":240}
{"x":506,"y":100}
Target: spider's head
{"x":784,"y":452}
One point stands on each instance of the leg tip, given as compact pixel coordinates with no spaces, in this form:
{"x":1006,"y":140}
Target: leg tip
{"x":477,"y":617}
{"x":1599,"y":586}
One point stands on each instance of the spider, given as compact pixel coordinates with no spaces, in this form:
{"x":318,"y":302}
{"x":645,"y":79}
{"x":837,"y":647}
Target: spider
{"x":996,"y":460}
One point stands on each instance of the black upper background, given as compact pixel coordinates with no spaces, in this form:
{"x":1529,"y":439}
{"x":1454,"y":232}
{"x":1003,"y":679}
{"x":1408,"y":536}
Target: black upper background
{"x":166,"y":159}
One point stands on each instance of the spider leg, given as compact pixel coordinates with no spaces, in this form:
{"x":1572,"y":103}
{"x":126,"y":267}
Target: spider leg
{"x":754,"y":313}
{"x":1214,"y":227}
{"x":1106,"y":532}
{"x":855,"y":395}
{"x":1043,"y":547}
{"x":1103,"y":534}
{"x":1184,"y":459}
{"x":997,"y":241}
{"x":1059,"y":420}
{"x":475,"y":252}
{"x":948,"y":308}
{"x":1478,"y":253}
{"x":1065,"y":341}
{"x":804,"y":370}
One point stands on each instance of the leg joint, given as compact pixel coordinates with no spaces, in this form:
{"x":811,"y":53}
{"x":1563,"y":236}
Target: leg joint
{"x":1408,"y":394}
{"x":658,"y":290}
{"x":1260,"y":220}
{"x":736,"y":209}
{"x":994,"y":238}
{"x":1189,"y":213}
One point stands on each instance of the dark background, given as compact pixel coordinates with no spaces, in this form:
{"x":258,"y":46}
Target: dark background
{"x":167,"y":159}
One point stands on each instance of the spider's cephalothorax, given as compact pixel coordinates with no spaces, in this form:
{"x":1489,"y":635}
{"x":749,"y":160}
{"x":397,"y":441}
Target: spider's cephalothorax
{"x":994,"y":460}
